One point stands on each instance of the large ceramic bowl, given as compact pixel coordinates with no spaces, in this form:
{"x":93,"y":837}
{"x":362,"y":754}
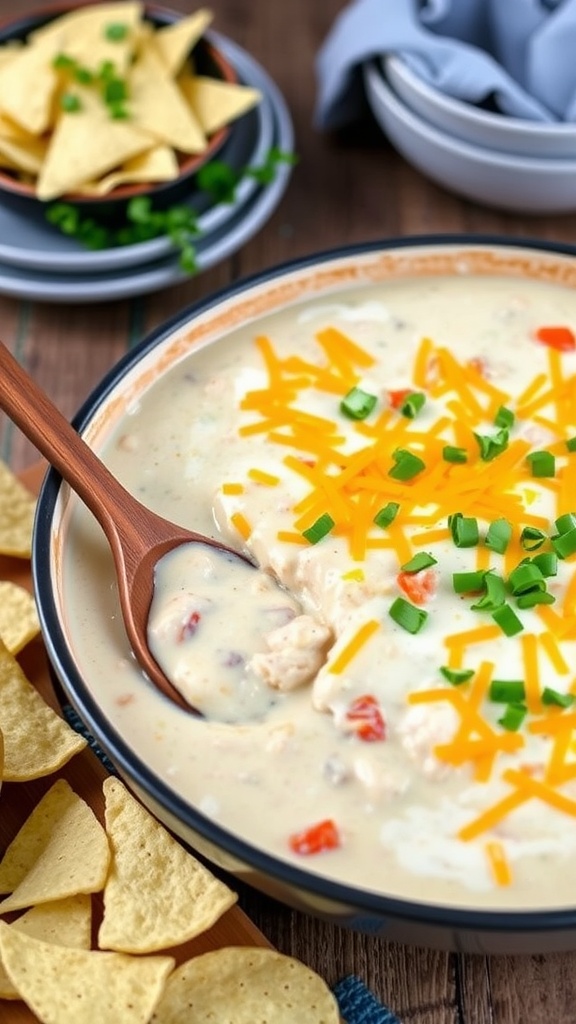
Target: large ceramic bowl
{"x":156,"y":746}
{"x":508,"y":181}
{"x":473,"y":124}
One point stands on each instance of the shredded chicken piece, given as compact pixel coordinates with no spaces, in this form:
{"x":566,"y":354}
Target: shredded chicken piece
{"x":297,"y":650}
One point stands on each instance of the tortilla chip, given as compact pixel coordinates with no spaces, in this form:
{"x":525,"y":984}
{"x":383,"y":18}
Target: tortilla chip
{"x":18,"y":616}
{"x":10,"y":130}
{"x":241,"y":985}
{"x":157,"y":164}
{"x":63,"y":923}
{"x":26,"y":156}
{"x":31,"y":108}
{"x":36,"y":740}
{"x":77,"y":986}
{"x":86,"y":144}
{"x":81,"y":34}
{"x":217,"y":103}
{"x":8,"y":164}
{"x":174,"y":42}
{"x":157,"y":894}
{"x":60,"y":851}
{"x":17,"y":508}
{"x":159,"y":109}
{"x":8,"y":51}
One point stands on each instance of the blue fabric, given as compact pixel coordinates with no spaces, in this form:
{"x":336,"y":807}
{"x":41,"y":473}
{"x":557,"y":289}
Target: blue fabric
{"x":521,"y":52}
{"x":358,"y":1005}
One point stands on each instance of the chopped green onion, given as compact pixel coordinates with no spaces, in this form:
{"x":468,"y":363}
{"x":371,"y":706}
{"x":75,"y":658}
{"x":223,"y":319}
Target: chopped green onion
{"x":547,"y":562}
{"x":357,"y":404}
{"x":566,"y":522}
{"x":83,"y":76}
{"x":571,"y":444}
{"x":62,"y":62}
{"x":532,"y":538}
{"x":387,"y":514}
{"x":407,"y":615}
{"x":498,"y":535}
{"x":468,"y":582}
{"x":534,"y":597}
{"x":504,"y":417}
{"x":561,"y":700}
{"x":116,"y":31}
{"x":456,"y":676}
{"x":495,"y":595}
{"x":115,"y":91}
{"x":450,"y":453}
{"x":506,"y":618}
{"x":507,"y":691}
{"x":319,"y":529}
{"x":492,"y":445}
{"x":106,"y":71}
{"x":526,"y":576}
{"x":513,"y":717}
{"x":70,"y":103}
{"x":412,"y":404}
{"x":564,"y":544}
{"x":464,"y":530}
{"x":542,"y":463}
{"x":420,"y":561}
{"x":407,"y":465}
{"x":118,"y":111}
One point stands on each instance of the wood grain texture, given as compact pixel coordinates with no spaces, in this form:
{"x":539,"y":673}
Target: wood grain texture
{"x":346,"y":188}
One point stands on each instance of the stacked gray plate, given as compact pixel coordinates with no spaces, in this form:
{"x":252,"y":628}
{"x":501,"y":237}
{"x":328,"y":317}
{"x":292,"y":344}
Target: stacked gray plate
{"x":36,"y":262}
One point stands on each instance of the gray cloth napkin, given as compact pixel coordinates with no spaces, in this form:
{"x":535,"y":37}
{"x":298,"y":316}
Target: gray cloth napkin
{"x":520,"y":53}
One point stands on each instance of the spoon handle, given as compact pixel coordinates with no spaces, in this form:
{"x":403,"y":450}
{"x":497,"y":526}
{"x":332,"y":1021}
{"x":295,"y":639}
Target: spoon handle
{"x":54,"y":437}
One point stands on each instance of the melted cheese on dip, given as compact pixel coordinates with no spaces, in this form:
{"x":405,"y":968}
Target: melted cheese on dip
{"x":375,"y":768}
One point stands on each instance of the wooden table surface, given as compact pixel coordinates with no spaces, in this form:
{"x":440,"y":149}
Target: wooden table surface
{"x":346,"y":189}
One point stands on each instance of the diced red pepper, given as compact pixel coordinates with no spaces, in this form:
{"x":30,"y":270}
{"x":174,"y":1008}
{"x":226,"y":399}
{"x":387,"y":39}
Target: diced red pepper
{"x":365,"y":713}
{"x":560,"y":338}
{"x":316,"y":839}
{"x":397,"y":398}
{"x":418,"y":586}
{"x":478,"y":364}
{"x":189,"y":627}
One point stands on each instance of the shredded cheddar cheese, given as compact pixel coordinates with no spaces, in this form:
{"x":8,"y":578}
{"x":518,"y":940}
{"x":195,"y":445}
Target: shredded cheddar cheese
{"x":346,"y":468}
{"x":241,"y":524}
{"x":343,"y":659}
{"x":499,"y":864}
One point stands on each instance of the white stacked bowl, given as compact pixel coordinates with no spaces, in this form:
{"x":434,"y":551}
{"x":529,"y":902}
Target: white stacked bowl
{"x":521,"y":166}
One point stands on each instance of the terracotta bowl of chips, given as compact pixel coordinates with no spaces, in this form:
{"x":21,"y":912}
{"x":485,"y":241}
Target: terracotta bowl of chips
{"x":204,"y":421}
{"x":170,"y":170}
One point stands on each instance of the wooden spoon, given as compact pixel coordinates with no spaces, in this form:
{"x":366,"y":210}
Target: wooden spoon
{"x":138,"y":537}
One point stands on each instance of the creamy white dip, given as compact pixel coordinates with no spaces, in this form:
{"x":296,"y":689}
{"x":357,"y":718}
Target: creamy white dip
{"x":403,"y":769}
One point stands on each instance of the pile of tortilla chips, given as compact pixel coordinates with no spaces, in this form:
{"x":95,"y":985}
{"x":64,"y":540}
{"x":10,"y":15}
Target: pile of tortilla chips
{"x":75,"y":957}
{"x":99,"y":97}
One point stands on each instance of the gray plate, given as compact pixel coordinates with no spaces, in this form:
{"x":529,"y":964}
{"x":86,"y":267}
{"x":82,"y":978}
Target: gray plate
{"x":27,"y":240}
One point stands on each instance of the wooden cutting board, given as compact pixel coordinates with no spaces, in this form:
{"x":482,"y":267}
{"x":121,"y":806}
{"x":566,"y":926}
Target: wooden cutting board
{"x":85,"y":773}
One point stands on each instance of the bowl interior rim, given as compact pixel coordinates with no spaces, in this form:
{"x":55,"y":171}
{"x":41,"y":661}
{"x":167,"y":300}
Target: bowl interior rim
{"x":452,"y":145}
{"x":468,"y":111}
{"x":119,"y":750}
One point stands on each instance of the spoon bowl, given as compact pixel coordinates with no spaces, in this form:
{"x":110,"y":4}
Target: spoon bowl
{"x":138,"y":537}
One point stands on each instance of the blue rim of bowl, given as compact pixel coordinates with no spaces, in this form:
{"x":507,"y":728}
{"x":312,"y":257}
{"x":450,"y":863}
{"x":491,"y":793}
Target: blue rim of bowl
{"x":374,"y":905}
